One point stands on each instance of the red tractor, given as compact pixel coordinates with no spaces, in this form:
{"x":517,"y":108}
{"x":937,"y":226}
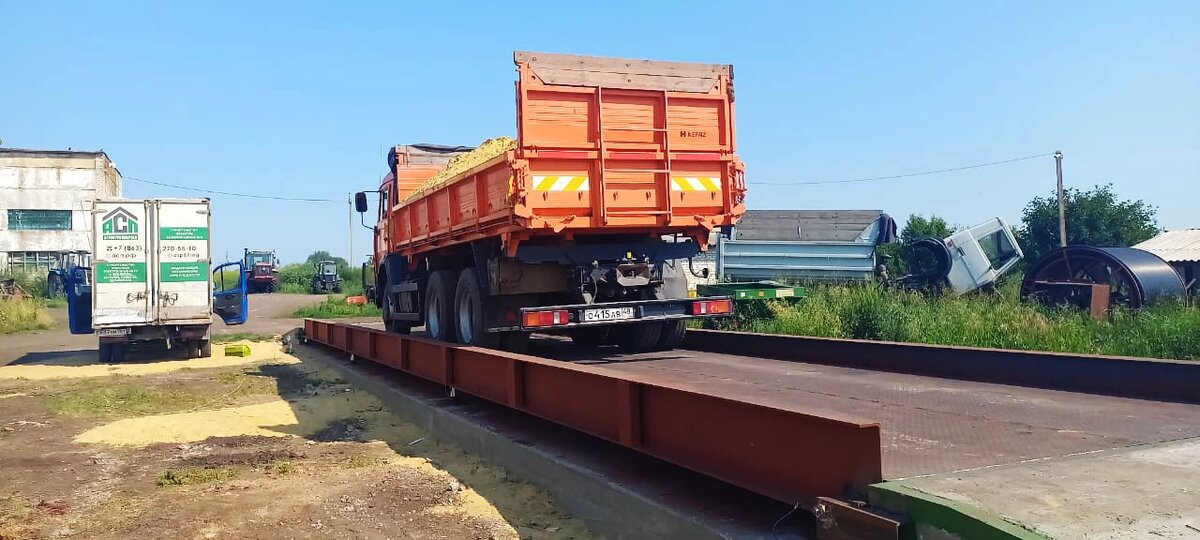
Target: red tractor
{"x":262,"y":271}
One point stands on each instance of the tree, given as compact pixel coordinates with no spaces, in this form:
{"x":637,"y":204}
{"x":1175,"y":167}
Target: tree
{"x":318,"y":256}
{"x":918,"y":227}
{"x":1094,"y":218}
{"x":900,"y":258}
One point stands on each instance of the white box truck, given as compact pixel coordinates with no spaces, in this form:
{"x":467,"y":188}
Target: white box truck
{"x":152,"y":277}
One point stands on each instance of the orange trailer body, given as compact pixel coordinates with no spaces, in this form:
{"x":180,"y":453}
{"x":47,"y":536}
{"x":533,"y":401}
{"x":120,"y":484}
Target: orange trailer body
{"x":604,"y":146}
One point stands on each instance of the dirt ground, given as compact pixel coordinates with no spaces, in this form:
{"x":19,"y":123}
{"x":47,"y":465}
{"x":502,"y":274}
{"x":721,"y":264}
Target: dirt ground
{"x":273,"y":445}
{"x":268,"y":315}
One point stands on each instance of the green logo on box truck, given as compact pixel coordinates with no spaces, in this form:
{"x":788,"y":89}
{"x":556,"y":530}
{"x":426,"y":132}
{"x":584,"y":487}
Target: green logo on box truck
{"x":119,"y":224}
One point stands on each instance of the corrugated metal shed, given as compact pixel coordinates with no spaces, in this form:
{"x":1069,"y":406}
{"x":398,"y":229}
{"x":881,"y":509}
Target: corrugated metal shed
{"x":1175,"y":246}
{"x":805,"y":225}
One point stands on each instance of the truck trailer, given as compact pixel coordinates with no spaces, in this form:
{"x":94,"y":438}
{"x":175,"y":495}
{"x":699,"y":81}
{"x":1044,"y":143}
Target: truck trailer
{"x":152,"y":278}
{"x":620,"y":172}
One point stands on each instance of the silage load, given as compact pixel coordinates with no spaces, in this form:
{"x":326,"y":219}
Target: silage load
{"x":486,"y":151}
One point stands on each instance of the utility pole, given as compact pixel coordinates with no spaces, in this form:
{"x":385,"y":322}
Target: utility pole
{"x":350,"y":224}
{"x":1062,"y":205}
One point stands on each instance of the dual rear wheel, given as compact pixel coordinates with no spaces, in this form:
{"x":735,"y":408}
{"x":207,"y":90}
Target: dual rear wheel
{"x":456,"y":307}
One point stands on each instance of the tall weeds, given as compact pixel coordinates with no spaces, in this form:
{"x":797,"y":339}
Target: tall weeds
{"x":997,"y":319}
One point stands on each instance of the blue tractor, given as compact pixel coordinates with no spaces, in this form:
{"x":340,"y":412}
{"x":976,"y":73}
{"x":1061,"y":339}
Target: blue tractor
{"x":60,"y":268}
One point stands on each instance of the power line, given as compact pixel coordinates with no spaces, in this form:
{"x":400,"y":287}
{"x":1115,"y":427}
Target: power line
{"x":906,"y":175}
{"x":230,"y":193}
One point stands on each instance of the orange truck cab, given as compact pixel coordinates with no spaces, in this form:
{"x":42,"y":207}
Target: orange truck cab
{"x":622,"y":170}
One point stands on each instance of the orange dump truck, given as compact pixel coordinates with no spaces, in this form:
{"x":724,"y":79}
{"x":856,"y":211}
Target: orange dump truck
{"x":622,"y":170}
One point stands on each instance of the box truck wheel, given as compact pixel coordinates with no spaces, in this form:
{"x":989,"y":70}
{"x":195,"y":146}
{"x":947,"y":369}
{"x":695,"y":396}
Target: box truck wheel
{"x":111,"y":352}
{"x":640,"y":337}
{"x":589,"y":336}
{"x":672,"y":335}
{"x":439,"y":305}
{"x":470,"y":312}
{"x":205,"y":348}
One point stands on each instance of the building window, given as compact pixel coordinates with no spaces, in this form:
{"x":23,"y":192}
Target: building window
{"x":24,"y":262}
{"x":39,"y":220}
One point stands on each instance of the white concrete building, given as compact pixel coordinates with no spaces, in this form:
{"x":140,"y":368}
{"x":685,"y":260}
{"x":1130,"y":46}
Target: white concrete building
{"x":45,"y":202}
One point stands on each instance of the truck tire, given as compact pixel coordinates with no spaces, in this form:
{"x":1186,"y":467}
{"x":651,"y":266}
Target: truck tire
{"x":639,"y":337}
{"x":590,"y":336}
{"x":470,"y":312}
{"x":118,"y":352}
{"x":392,"y":325}
{"x":104,"y":353}
{"x":439,"y":305}
{"x":205,"y":348}
{"x":191,"y":349}
{"x":672,"y":335}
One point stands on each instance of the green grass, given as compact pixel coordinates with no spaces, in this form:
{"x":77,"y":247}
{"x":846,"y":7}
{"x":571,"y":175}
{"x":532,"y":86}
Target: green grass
{"x":335,"y":307}
{"x":24,"y":315}
{"x":114,"y":399}
{"x":188,"y":476}
{"x":241,"y":336}
{"x":123,"y":397}
{"x":996,"y":319}
{"x":281,"y":467}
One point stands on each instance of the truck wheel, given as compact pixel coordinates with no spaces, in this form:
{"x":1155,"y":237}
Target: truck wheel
{"x":672,"y":335}
{"x":589,"y":336}
{"x":439,"y":306}
{"x":640,"y":337}
{"x":205,"y":348}
{"x":392,"y":325}
{"x":191,"y":349}
{"x":470,"y":312}
{"x":104,"y":352}
{"x":337,"y":288}
{"x":118,"y":352}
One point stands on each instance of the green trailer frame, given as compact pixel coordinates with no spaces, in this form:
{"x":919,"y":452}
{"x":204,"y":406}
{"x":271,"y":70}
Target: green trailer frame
{"x":751,"y":290}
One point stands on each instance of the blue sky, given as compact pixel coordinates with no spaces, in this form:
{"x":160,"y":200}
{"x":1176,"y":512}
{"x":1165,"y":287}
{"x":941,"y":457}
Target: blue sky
{"x":302,"y":99}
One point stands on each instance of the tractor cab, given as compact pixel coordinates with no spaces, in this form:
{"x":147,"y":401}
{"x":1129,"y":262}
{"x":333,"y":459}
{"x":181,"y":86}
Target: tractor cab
{"x":325,"y":278}
{"x":60,"y":268}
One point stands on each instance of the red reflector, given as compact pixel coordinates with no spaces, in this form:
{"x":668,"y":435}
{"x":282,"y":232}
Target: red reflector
{"x":712,"y":307}
{"x":545,"y":318}
{"x":720,"y":306}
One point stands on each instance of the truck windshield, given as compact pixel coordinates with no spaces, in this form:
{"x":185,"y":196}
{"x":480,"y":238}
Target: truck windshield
{"x":256,"y":258}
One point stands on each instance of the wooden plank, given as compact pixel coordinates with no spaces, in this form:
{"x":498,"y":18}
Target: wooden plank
{"x":625,"y":81}
{"x":621,"y":65}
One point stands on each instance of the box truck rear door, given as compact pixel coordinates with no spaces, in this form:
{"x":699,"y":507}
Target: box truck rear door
{"x":121,"y":292}
{"x":182,"y":253}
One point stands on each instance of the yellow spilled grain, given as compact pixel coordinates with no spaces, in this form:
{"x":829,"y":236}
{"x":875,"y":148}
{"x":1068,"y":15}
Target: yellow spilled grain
{"x":486,"y":151}
{"x":86,"y":366}
{"x":264,"y":419}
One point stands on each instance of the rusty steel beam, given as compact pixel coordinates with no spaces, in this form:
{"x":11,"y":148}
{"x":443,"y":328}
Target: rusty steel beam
{"x":1160,"y":380}
{"x":787,"y":454}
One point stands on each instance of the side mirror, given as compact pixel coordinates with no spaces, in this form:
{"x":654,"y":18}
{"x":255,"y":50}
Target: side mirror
{"x":360,"y":202}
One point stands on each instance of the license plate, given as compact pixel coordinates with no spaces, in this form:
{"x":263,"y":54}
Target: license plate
{"x":607,"y":314}
{"x":111,"y":332}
